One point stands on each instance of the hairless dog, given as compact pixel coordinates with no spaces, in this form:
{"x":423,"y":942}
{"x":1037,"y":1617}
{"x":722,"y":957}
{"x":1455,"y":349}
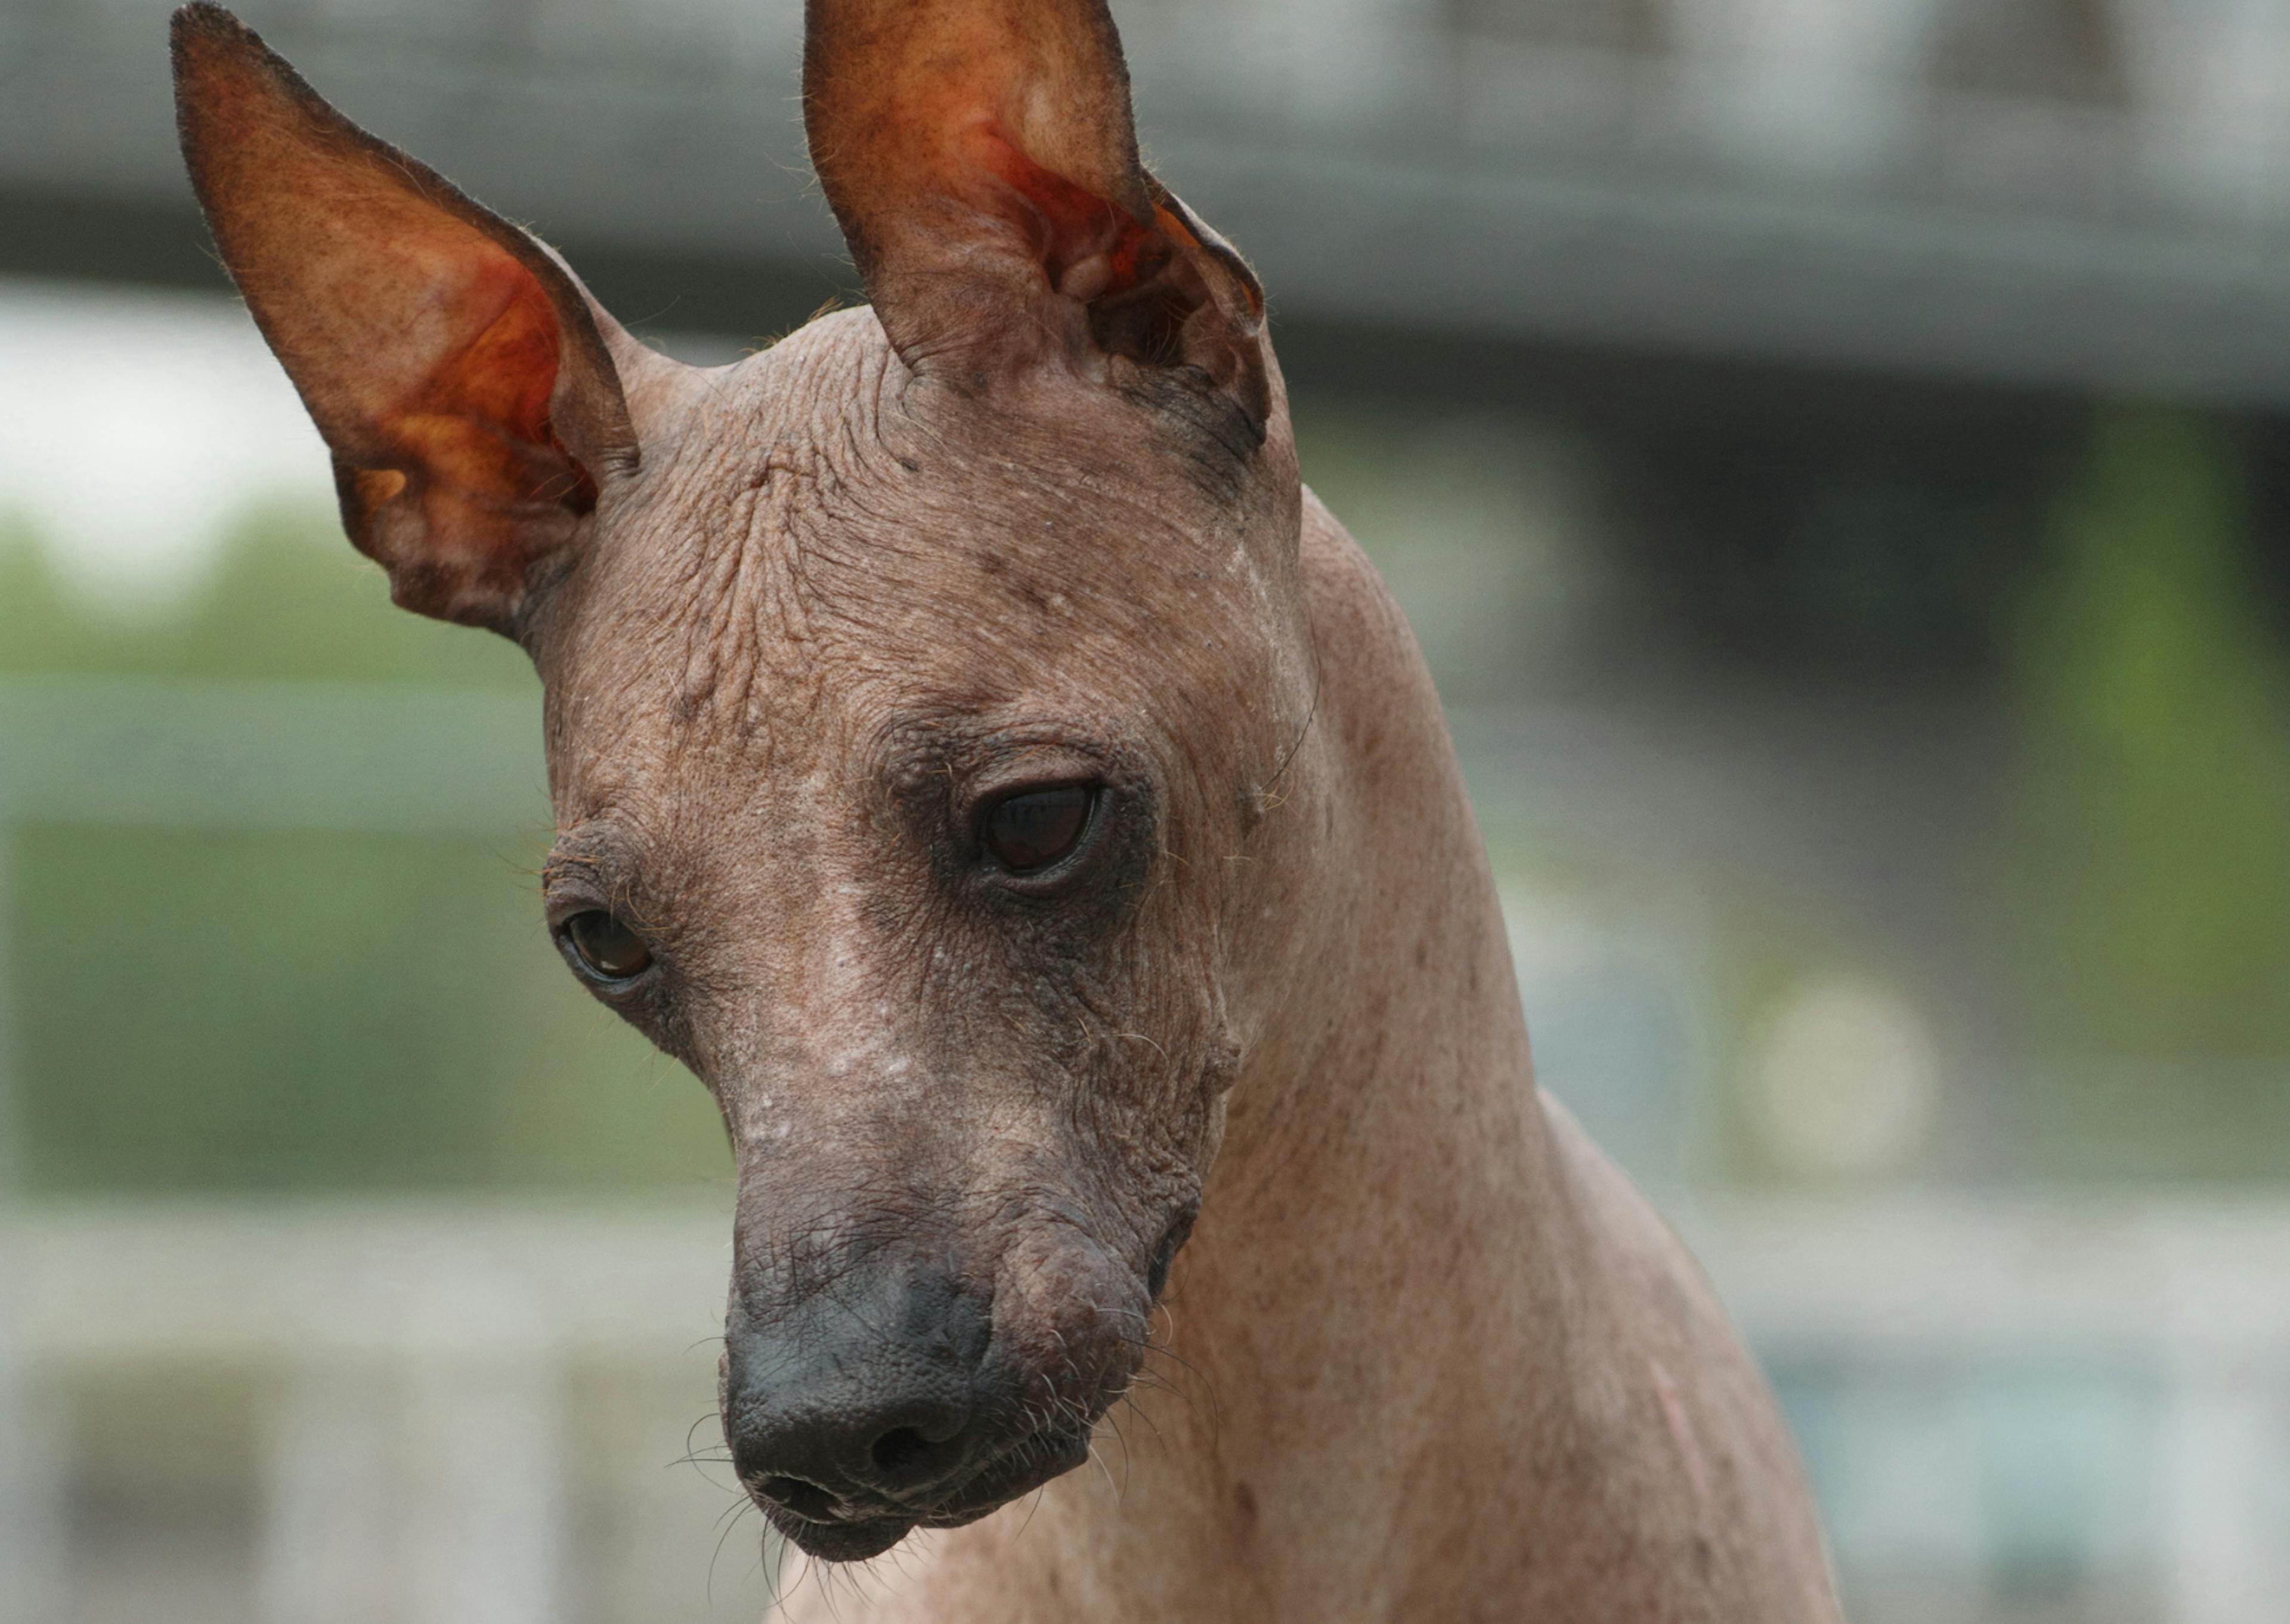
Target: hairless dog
{"x":981,"y":761}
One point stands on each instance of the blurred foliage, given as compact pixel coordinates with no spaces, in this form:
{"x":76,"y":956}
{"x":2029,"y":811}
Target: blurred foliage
{"x":240,"y":1011}
{"x":1765,"y":560}
{"x":288,"y":600}
{"x":343,"y":1012}
{"x":2157,"y":840}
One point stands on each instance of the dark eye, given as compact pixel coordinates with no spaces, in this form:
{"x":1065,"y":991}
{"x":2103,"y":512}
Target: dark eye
{"x":1033,"y":829}
{"x":609,"y":948}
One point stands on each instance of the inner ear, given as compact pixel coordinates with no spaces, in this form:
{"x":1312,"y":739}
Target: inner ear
{"x":1203,"y":307}
{"x":981,"y":159}
{"x":459,"y":374}
{"x":1090,"y":248}
{"x":1165,"y":293}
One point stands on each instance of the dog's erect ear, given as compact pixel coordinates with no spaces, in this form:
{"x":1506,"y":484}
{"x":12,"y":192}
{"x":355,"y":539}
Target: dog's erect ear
{"x":980,"y":157}
{"x":455,"y":368}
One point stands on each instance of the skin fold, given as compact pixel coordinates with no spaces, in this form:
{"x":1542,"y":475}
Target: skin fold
{"x":1208,"y":1152}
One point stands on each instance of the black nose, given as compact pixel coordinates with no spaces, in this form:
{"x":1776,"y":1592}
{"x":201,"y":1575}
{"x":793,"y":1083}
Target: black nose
{"x":861,"y":1399}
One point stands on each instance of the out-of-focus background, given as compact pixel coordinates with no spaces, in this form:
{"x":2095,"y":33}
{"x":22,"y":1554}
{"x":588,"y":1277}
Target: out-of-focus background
{"x":1835,"y":454}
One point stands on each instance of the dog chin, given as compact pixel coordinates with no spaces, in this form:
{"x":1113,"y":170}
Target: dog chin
{"x":1016,"y":1474}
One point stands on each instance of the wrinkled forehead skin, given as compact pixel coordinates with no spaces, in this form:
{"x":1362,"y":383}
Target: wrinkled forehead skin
{"x":817,"y":534}
{"x":839,"y":602}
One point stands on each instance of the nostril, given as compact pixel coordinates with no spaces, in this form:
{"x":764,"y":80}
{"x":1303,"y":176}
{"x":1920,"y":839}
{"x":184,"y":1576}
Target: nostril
{"x":807,"y":1500}
{"x":900,"y":1448}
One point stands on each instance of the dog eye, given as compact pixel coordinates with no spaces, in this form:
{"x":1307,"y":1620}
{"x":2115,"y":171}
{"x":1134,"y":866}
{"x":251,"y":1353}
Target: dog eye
{"x":609,"y":948}
{"x":1033,"y":830}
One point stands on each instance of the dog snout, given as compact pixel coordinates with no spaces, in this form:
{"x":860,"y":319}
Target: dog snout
{"x":863,"y":1401}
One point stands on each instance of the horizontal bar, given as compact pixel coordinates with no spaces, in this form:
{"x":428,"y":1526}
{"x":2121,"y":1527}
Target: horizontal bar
{"x":1907,"y":1278}
{"x":1379,"y":174}
{"x":247,"y":1279}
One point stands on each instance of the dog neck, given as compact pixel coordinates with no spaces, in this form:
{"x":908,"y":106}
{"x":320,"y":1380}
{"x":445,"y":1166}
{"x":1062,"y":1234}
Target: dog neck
{"x":1384,"y":1271}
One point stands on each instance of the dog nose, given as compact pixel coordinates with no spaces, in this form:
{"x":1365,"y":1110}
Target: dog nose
{"x":818,"y":1459}
{"x":865,"y":1399}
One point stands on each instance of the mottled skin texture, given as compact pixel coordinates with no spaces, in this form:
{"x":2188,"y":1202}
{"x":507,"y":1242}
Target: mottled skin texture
{"x":1036,"y":517}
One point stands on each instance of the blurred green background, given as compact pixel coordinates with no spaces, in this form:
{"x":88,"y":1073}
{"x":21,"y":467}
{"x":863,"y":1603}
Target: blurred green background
{"x":307,"y":1010}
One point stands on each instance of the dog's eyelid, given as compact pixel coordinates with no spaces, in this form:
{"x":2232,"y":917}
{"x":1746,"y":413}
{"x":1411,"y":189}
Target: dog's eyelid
{"x":1045,"y":763}
{"x":567,"y":893}
{"x":573,"y":879}
{"x":594,"y":861}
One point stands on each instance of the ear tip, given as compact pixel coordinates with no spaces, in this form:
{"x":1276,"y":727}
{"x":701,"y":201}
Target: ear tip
{"x":204,"y":38}
{"x":218,"y":63}
{"x":202,"y":35}
{"x":204,"y":42}
{"x":201,"y":21}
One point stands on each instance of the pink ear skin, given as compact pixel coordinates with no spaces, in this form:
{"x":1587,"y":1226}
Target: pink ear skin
{"x":980,"y":157}
{"x":455,"y":368}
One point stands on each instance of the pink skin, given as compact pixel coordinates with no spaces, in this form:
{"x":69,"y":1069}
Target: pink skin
{"x":1031,"y":520}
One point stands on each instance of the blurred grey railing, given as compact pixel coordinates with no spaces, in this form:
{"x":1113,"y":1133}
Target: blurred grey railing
{"x":2107,"y":1387}
{"x":2092,"y":1397}
{"x":416,"y":1448}
{"x":2092,"y":193}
